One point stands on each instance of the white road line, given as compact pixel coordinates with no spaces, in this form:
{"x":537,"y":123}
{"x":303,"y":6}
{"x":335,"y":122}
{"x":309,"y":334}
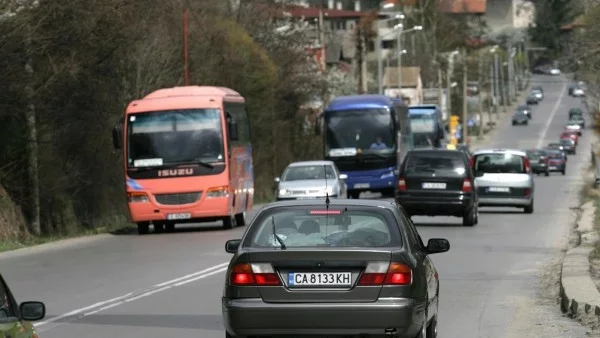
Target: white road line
{"x":131,"y":296}
{"x":551,"y":117}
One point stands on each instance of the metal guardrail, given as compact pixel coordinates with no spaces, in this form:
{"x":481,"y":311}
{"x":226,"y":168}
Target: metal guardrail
{"x":596,"y":165}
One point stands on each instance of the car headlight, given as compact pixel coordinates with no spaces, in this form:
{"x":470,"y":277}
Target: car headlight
{"x":284,"y":192}
{"x":137,"y":197}
{"x":217,"y":192}
{"x":329,"y":190}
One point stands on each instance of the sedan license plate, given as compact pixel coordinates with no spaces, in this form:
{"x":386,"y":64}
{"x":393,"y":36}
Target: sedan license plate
{"x":179,"y":216}
{"x":499,"y":189}
{"x":434,"y":185}
{"x":552,"y":167}
{"x":362,"y":186}
{"x":319,"y":279}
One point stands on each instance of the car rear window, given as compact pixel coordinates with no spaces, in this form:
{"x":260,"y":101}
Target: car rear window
{"x":535,"y":155}
{"x":499,"y":163}
{"x":567,"y":141}
{"x":305,"y":227}
{"x":443,"y":163}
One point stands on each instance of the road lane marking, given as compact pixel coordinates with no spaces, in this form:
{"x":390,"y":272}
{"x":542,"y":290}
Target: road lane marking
{"x":551,"y":117}
{"x":131,"y":296}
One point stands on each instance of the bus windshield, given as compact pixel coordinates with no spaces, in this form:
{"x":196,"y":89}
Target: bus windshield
{"x":424,"y":130}
{"x":370,"y":130}
{"x":174,"y":136}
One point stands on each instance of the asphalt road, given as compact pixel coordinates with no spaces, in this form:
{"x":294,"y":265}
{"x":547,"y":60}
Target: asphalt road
{"x":492,"y":281}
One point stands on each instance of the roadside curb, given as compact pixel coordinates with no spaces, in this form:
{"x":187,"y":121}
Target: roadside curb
{"x":579,"y":296}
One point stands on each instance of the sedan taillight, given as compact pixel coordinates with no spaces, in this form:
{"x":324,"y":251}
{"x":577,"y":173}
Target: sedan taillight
{"x":258,"y":274}
{"x":392,"y":274}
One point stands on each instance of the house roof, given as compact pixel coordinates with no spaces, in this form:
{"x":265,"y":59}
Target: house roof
{"x":313,"y":12}
{"x":410,"y":77}
{"x":577,"y":23}
{"x":463,"y":6}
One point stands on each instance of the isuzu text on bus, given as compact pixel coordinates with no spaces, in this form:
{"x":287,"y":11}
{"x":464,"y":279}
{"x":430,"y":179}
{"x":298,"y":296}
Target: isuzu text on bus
{"x":187,"y":157}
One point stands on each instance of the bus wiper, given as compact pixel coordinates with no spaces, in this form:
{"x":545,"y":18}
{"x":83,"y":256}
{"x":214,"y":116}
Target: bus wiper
{"x":153,"y":167}
{"x":198,"y":162}
{"x":283,"y":247}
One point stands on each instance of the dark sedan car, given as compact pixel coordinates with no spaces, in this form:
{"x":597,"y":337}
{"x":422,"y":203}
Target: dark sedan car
{"x":538,"y":159}
{"x":16,"y":319}
{"x":525,"y":109}
{"x":568,"y":145}
{"x":520,"y":118}
{"x":532,"y":99}
{"x":438,"y":182}
{"x":557,"y":146}
{"x":348,"y":267}
{"x":557,"y":161}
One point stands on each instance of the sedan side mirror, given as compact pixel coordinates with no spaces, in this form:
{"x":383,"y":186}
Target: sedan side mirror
{"x":232,"y":246}
{"x":31,"y":311}
{"x":437,"y":245}
{"x":343,"y":177}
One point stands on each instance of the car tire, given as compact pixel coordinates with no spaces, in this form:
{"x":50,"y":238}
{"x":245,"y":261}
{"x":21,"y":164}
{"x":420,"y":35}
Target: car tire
{"x":388,"y":193}
{"x":547,"y":173}
{"x":470,"y":218}
{"x":143,"y":228}
{"x":354,"y":195}
{"x":159,"y":227}
{"x":529,"y":208}
{"x":228,"y":222}
{"x":169,"y":226}
{"x":514,"y":123}
{"x":432,"y":328}
{"x":240,"y":219}
{"x":563,"y":172}
{"x":526,"y":123}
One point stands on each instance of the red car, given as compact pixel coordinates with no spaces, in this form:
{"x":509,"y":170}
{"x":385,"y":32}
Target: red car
{"x":572,"y":134}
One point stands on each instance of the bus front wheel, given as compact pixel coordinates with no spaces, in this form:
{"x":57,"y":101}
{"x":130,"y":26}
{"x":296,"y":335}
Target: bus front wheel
{"x":354,"y":195}
{"x":143,"y":227}
{"x":240,"y":219}
{"x":228,"y":222}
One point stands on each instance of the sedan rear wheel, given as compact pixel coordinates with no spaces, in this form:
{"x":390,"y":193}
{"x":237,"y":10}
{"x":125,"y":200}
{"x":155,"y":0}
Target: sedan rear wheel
{"x":432,"y":328}
{"x":470,"y":218}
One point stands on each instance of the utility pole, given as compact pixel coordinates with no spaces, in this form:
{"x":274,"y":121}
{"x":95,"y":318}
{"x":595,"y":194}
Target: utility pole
{"x":379,"y":64}
{"x":511,"y":72}
{"x":322,"y":37}
{"x":503,"y":91}
{"x":440,"y":88}
{"x":465,"y":125}
{"x":497,"y":87}
{"x":186,"y":75}
{"x":399,"y":51}
{"x":480,"y":96}
{"x":493,"y":95}
{"x":32,"y":145}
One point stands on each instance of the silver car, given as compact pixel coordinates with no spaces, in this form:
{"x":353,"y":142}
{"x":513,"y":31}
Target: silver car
{"x":503,"y":178}
{"x":311,"y":179}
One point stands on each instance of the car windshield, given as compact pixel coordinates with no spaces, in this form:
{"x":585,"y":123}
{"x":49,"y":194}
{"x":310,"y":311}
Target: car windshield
{"x":499,"y":163}
{"x":305,"y":227}
{"x":535,"y":92}
{"x":174,"y":136}
{"x":7,"y":310}
{"x":442,"y":163}
{"x":523,"y":108}
{"x":535,"y":154}
{"x":520,"y":113}
{"x":567,"y":141}
{"x":370,"y":130}
{"x":308,"y":172}
{"x":574,"y":120}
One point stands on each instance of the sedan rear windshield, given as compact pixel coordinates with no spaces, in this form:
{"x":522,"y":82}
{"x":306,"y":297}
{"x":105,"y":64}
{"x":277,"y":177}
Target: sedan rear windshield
{"x":535,"y":155}
{"x":443,"y":163}
{"x":306,"y":227}
{"x":499,"y":163}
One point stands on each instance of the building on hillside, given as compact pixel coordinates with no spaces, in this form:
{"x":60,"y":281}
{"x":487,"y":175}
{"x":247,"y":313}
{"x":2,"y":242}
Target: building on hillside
{"x":508,"y":15}
{"x":412,"y":86}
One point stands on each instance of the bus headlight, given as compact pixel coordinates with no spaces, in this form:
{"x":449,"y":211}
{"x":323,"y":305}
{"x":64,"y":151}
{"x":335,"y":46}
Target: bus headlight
{"x":217,"y":192}
{"x":137,"y":197}
{"x":387,"y":175}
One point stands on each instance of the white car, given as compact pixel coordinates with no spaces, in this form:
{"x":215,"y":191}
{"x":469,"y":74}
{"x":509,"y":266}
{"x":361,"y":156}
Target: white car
{"x":578,"y":92}
{"x":554,"y":71}
{"x":311,"y":179}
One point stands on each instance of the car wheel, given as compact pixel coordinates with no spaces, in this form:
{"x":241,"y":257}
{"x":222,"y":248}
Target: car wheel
{"x":143,"y":228}
{"x":228,"y":222}
{"x":574,"y":152}
{"x":159,"y":227}
{"x":547,"y":173}
{"x":432,"y":328}
{"x":529,"y":208}
{"x":354,"y":195}
{"x":240,"y":219}
{"x":514,"y":123}
{"x":423,"y":332}
{"x":169,"y":226}
{"x":469,"y":219}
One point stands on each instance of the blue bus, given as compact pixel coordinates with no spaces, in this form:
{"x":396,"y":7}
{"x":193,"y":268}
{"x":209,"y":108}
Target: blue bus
{"x":367,"y":137}
{"x":427,"y":126}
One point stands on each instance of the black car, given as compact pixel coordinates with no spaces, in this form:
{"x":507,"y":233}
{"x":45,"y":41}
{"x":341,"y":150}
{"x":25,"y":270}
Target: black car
{"x":347,"y":267}
{"x":436,"y":182}
{"x":532,"y":99}
{"x":525,"y":109}
{"x":568,"y":145}
{"x":575,"y":113}
{"x":520,"y":118}
{"x":538,"y":159}
{"x":557,"y":146}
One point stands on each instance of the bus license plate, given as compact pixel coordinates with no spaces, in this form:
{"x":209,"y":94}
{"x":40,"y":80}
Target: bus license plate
{"x":319,"y":279}
{"x":179,"y":216}
{"x":362,"y":186}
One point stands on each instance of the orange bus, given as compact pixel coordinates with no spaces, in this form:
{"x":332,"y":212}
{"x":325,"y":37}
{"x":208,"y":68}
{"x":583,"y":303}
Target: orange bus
{"x":187,"y":157}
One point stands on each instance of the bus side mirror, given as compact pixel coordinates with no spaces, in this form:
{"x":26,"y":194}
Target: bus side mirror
{"x":117,"y":135}
{"x":233,"y":130}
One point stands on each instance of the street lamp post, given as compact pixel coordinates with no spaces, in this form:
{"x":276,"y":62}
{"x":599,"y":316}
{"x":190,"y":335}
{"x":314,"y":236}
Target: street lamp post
{"x":378,"y":52}
{"x":399,"y":48}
